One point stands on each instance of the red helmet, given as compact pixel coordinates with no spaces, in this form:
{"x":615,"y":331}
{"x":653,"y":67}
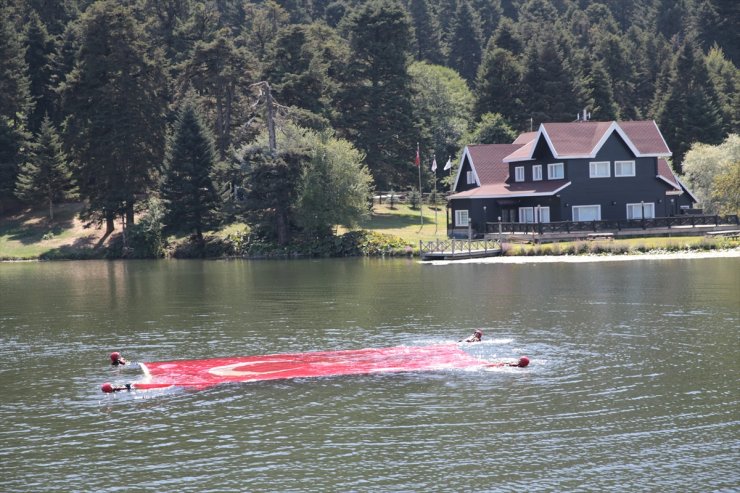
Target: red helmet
{"x":523,"y":361}
{"x":115,"y":356}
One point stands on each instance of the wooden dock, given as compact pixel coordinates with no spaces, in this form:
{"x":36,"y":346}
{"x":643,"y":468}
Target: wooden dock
{"x":453,"y":249}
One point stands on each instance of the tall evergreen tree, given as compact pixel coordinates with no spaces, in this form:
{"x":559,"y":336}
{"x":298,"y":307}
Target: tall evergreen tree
{"x":465,"y":44}
{"x":375,"y":105}
{"x":218,"y":71}
{"x":690,"y":110}
{"x":15,"y":102}
{"x":600,"y":95}
{"x":40,"y":59}
{"x":549,"y":92}
{"x":115,"y":103}
{"x":428,"y":35}
{"x":46,"y":175}
{"x":498,"y":85}
{"x":507,"y":38}
{"x":188,"y":193}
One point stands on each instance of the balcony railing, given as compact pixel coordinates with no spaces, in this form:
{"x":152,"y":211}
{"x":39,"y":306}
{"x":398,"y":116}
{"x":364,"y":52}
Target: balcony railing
{"x":615,"y":225}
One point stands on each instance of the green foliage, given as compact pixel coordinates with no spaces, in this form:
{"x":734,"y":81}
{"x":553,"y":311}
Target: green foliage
{"x":465,"y":41}
{"x":711,"y":173}
{"x":498,"y":84}
{"x":334,"y":186}
{"x":442,"y":104}
{"x":491,"y":129}
{"x":427,"y":35}
{"x":375,"y":104}
{"x":114,"y":104}
{"x":690,"y":109}
{"x":189,"y":195}
{"x":46,"y":176}
{"x":145,"y":239}
{"x":40,"y":52}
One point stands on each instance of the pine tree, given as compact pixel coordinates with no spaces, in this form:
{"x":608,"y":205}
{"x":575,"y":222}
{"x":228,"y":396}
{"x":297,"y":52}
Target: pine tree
{"x":375,"y":104}
{"x":46,"y":176}
{"x":115,"y":103}
{"x":188,"y":193}
{"x":601,"y":97}
{"x":498,"y":85}
{"x":15,"y":103}
{"x":549,"y":92}
{"x":428,"y":40}
{"x":690,"y":109}
{"x":465,"y":44}
{"x":40,"y":60}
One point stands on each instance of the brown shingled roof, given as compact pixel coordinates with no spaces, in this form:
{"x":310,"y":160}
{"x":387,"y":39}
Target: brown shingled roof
{"x":584,"y":139}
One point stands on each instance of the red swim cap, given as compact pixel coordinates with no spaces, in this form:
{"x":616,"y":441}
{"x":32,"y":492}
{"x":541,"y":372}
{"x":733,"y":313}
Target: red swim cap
{"x":115,"y":356}
{"x":523,"y":361}
{"x":107,"y":388}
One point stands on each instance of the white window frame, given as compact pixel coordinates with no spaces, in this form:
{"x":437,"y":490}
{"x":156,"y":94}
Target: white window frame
{"x":462,"y":218}
{"x":543,"y":218}
{"x":634,"y":211}
{"x":599,"y":169}
{"x":537,"y":172}
{"x":519,"y":173}
{"x":526,"y":214}
{"x":550,"y":171}
{"x":471,"y":178}
{"x":578,"y":207}
{"x":619,"y":172}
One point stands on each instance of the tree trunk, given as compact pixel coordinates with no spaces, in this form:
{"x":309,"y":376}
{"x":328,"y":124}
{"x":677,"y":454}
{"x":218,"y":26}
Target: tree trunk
{"x":129,"y":213}
{"x":109,"y":224}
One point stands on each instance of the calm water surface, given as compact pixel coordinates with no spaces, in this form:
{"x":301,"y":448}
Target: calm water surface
{"x":633,"y":384}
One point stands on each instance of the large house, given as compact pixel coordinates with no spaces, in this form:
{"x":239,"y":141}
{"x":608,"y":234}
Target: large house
{"x":577,"y":171}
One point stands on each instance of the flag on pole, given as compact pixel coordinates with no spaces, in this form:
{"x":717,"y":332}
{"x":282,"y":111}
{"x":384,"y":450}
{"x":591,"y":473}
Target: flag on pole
{"x":449,"y":164}
{"x":417,"y":161}
{"x":434,"y":164}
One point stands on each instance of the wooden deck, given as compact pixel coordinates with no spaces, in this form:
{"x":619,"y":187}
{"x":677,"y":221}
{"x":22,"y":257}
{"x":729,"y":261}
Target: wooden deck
{"x":452,"y":249}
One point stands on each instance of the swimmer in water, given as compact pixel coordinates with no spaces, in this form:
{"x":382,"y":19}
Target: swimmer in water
{"x":116,"y":359}
{"x":475,"y":337}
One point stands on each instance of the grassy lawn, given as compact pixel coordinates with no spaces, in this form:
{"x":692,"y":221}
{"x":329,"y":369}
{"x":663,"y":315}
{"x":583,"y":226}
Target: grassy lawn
{"x":406,"y":223}
{"x":30,"y":234}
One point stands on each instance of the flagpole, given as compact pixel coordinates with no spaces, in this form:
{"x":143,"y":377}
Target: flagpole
{"x":421,"y":196}
{"x":434,"y":169}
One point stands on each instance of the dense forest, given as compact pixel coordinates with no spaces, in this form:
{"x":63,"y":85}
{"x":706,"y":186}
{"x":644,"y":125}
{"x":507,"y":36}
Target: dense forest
{"x":286,"y":114}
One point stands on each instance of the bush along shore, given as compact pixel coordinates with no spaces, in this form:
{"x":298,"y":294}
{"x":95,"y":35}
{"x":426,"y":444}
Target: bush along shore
{"x":357,"y":244}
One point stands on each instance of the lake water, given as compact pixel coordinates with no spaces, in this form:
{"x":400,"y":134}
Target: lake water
{"x":633,"y":382}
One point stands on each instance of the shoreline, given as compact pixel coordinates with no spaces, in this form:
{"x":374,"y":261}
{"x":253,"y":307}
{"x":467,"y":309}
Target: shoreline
{"x":549,"y":259}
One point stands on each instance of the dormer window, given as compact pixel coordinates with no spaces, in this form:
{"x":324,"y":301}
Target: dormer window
{"x":537,"y":172}
{"x":555,"y":171}
{"x":519,"y":173}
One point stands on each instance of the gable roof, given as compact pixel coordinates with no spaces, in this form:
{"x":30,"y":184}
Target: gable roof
{"x":576,"y":140}
{"x":486,"y":161}
{"x":491,"y":175}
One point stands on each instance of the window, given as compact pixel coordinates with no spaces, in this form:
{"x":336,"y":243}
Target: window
{"x":555,"y":171}
{"x":519,"y":173}
{"x":537,"y":172}
{"x":635,"y":211}
{"x":599,"y":169}
{"x":624,"y":168}
{"x":461,"y":218}
{"x":471,"y":178}
{"x":586,"y":213}
{"x":544,"y":213}
{"x":526,"y":214}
